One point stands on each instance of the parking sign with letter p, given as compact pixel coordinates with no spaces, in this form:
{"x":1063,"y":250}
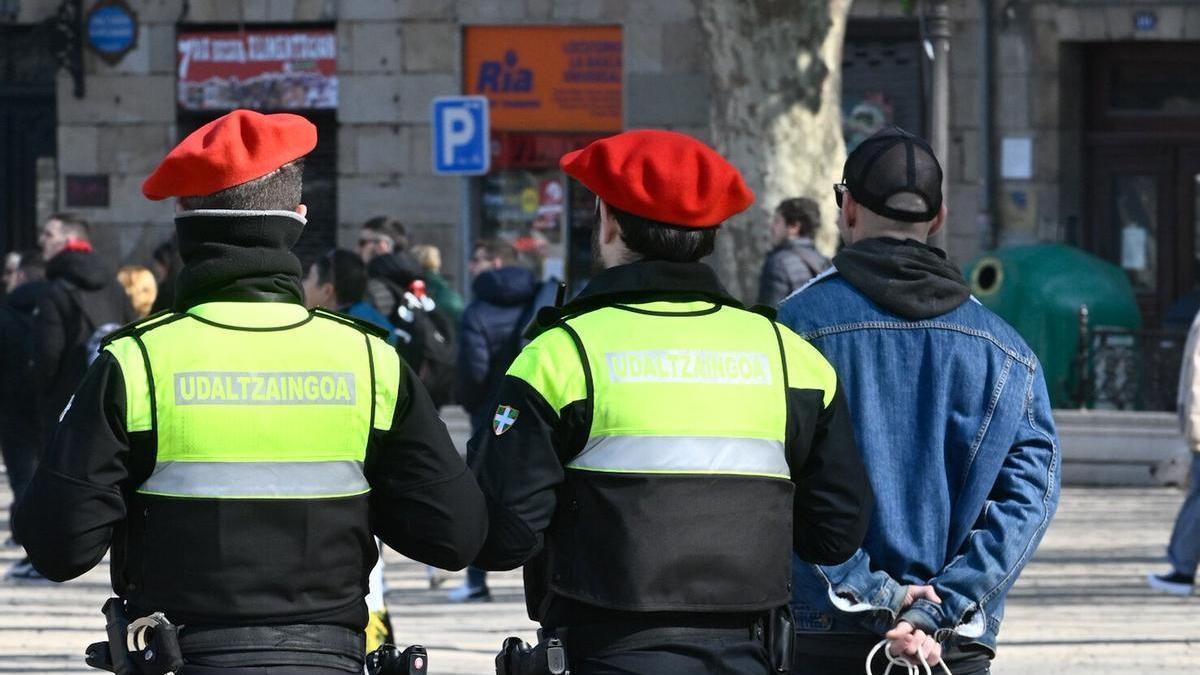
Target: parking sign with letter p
{"x":460,"y":136}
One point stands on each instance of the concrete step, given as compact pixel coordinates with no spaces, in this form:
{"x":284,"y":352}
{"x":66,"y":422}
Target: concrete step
{"x":1117,"y":447}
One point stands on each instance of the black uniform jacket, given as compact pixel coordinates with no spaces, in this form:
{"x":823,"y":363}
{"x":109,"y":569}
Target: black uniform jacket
{"x":248,"y":562}
{"x":537,"y":508}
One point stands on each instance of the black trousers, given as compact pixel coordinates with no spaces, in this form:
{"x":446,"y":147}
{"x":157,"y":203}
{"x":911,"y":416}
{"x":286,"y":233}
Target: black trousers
{"x":818,"y":654}
{"x":20,"y":459}
{"x":674,"y":651}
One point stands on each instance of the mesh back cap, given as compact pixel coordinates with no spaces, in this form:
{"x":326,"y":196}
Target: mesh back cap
{"x":894,"y":162}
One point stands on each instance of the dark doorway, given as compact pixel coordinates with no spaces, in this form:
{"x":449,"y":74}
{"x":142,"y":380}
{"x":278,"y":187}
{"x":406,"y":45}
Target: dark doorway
{"x":1143,"y":175}
{"x":27,"y":129}
{"x":883,"y":80}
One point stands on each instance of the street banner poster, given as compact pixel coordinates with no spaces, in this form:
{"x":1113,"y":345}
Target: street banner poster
{"x":258,"y":69}
{"x":546,"y":78}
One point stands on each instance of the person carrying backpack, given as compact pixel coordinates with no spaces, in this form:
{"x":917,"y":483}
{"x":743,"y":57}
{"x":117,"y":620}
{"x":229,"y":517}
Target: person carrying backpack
{"x":425,"y":336}
{"x":507,"y":296}
{"x":18,"y":426}
{"x":82,"y":304}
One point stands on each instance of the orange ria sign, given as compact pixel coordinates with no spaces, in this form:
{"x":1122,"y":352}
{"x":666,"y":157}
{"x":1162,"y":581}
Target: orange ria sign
{"x":546,"y":78}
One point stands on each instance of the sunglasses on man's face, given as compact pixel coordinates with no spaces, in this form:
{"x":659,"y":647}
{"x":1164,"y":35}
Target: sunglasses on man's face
{"x":839,"y":189}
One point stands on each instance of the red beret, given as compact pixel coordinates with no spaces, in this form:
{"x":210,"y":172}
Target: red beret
{"x":228,"y":151}
{"x":661,"y":175}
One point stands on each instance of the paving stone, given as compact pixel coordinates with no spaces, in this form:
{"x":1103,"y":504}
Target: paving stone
{"x":1080,"y":607}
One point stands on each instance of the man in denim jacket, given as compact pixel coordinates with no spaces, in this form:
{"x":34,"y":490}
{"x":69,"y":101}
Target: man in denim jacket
{"x":952,"y":417}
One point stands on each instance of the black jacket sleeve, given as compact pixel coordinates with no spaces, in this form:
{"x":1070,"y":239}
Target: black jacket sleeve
{"x":424,"y":502}
{"x":833,"y":494}
{"x":519,"y":471}
{"x":66,"y":516}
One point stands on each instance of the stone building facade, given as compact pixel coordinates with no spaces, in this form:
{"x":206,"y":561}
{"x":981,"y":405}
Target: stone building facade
{"x":1094,"y":121}
{"x":1033,"y":148}
{"x":393,"y":57}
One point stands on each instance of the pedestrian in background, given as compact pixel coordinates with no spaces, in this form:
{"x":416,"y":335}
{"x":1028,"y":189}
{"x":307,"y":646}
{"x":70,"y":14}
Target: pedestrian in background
{"x":391,"y":269}
{"x":953,"y":421}
{"x":448,"y":300}
{"x":503,"y":305}
{"x":165,"y":263}
{"x":794,"y":260}
{"x":140,"y":286}
{"x":18,"y":427}
{"x":82,"y":304}
{"x":338,"y":281}
{"x":426,"y":336}
{"x":1183,"y":551}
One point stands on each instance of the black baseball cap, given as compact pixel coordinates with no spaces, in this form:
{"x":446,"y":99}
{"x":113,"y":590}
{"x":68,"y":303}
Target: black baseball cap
{"x":892,"y":162}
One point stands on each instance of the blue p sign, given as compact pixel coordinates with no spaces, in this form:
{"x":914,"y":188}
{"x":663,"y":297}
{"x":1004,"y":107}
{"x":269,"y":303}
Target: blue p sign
{"x":460,"y":136}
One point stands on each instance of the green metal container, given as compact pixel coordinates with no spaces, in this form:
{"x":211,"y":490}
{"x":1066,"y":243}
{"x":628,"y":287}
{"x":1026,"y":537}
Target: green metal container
{"x":1040,"y":289}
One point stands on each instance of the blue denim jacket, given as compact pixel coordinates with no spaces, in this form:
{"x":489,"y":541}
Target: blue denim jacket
{"x":953,"y":420}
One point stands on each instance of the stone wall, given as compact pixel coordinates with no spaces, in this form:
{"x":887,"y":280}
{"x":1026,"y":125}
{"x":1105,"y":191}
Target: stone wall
{"x":120,"y":128}
{"x":964,"y":232}
{"x":384,"y":137}
{"x":1039,"y":93}
{"x":394,"y":55}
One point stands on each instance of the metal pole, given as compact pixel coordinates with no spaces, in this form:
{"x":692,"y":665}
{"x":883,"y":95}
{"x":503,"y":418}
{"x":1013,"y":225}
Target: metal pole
{"x":1083,"y":385}
{"x":465,"y":226}
{"x":988,"y":231}
{"x":937,"y":22}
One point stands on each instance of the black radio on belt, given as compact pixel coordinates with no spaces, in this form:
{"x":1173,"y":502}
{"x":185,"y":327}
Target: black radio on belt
{"x":389,"y":660}
{"x":548,"y":657}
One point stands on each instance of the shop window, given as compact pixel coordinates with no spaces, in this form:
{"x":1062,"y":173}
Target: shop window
{"x":269,"y":68}
{"x":882,"y":81}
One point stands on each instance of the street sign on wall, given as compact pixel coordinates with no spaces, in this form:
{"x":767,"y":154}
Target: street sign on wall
{"x":112,"y":29}
{"x":460,"y":136}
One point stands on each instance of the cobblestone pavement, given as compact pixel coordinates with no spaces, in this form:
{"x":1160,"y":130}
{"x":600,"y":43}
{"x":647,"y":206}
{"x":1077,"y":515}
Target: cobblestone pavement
{"x":1081,"y":607}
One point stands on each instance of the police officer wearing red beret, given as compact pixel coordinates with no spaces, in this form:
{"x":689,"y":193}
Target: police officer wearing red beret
{"x":659,"y":451}
{"x":238,"y":452}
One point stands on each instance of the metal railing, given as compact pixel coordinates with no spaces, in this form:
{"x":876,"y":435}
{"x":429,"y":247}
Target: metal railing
{"x":1125,"y":369}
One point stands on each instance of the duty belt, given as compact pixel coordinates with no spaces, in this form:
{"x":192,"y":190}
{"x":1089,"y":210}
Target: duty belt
{"x":292,"y":645}
{"x":775,"y":629}
{"x":591,"y":638}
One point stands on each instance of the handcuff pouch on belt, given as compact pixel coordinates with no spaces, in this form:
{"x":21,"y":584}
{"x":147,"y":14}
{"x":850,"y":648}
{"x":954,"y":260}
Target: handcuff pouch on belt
{"x":145,"y":646}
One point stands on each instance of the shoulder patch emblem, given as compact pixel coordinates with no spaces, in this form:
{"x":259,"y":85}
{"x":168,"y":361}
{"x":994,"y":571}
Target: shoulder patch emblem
{"x":506,"y":417}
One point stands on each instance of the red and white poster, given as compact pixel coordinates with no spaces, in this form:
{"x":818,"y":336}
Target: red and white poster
{"x":258,"y":69}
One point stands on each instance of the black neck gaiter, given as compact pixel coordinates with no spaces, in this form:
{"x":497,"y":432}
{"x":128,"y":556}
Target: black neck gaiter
{"x":237,"y":256}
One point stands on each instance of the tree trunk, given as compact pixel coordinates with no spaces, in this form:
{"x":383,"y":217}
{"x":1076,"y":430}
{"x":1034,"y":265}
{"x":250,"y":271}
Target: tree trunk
{"x":776,"y":114}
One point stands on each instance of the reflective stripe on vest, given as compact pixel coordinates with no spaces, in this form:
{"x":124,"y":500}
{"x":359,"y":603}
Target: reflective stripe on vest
{"x":257,"y":400}
{"x":683,"y":388}
{"x":256,"y":480}
{"x":684,"y":455}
